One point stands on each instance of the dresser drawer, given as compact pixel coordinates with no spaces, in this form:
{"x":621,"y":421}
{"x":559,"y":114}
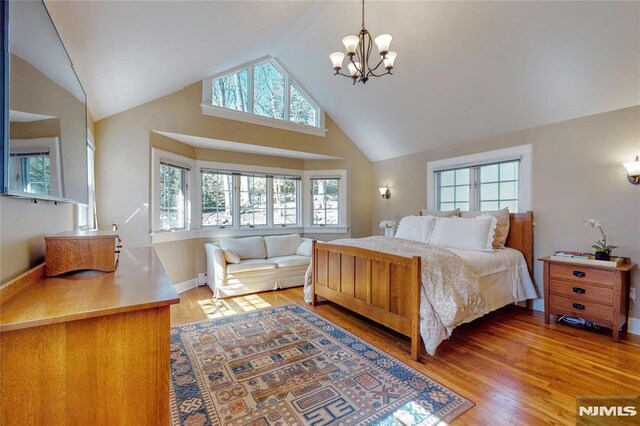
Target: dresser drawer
{"x":581,"y":291}
{"x":581,"y":274}
{"x":579,"y":308}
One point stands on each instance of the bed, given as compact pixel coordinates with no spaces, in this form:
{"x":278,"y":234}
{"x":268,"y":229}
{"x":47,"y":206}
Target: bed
{"x":382,"y":279}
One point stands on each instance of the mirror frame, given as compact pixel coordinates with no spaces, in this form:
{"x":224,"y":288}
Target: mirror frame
{"x":4,"y":113}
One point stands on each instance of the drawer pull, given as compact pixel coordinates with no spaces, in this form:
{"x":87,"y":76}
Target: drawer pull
{"x":579,"y":274}
{"x":578,"y":306}
{"x":579,"y":290}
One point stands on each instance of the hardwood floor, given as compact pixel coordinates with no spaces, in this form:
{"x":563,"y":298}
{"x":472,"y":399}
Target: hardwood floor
{"x":516,"y":369}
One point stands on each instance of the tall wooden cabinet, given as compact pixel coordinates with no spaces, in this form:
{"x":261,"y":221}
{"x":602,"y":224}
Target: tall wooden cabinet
{"x":89,"y":348}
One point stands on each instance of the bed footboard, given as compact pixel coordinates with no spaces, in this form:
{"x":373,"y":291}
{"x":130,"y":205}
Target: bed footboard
{"x":382,"y":287}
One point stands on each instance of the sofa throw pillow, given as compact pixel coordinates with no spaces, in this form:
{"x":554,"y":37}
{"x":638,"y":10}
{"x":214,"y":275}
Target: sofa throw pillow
{"x":440,"y":213}
{"x":502,"y":228}
{"x":282,"y":245}
{"x":466,"y":234}
{"x":231,"y":256}
{"x":246,"y":248}
{"x":416,"y":228}
{"x":305,"y":249}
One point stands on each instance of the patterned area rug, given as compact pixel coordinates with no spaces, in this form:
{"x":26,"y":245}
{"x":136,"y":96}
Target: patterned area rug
{"x":288,"y":366}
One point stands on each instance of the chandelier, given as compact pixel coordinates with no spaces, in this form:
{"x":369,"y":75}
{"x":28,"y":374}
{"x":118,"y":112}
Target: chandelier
{"x":358,"y":54}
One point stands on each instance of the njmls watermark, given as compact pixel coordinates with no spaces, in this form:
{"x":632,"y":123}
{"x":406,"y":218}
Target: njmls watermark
{"x":607,"y":410}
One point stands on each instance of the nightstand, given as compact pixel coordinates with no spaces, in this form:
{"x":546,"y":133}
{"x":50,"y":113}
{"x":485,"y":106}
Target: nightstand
{"x":596,"y":293}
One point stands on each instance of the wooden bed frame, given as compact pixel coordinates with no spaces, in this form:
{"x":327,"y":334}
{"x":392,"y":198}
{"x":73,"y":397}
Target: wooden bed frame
{"x":385,"y":287}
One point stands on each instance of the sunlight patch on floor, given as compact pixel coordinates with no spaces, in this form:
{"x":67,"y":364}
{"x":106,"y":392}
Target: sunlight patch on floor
{"x":218,"y":308}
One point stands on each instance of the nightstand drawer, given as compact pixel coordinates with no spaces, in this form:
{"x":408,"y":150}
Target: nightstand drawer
{"x":581,"y":274}
{"x":582,"y":291}
{"x":579,"y":308}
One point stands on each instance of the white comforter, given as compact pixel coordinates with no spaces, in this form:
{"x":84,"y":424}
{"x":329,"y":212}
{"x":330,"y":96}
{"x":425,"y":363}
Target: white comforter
{"x":450,"y":288}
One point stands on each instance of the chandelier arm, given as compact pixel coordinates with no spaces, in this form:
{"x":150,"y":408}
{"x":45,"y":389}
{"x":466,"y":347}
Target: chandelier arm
{"x":380,"y":75}
{"x":377,"y":66}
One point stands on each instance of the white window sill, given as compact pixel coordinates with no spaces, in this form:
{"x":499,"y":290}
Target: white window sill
{"x":169,"y":236}
{"x":263,"y":121}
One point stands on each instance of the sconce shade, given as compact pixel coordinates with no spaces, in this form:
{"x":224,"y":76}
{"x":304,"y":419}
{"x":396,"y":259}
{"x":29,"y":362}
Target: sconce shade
{"x":336,"y":59}
{"x":385,"y":192}
{"x":633,"y":171}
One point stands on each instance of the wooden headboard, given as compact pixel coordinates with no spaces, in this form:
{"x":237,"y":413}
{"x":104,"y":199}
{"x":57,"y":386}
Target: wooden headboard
{"x":520,"y":236}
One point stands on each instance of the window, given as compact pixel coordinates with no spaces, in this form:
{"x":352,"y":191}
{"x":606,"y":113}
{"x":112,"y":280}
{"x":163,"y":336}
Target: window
{"x":34,"y":170}
{"x":173,"y":196}
{"x":253,"y":201}
{"x":493,"y":180}
{"x":268,"y":90}
{"x":86,"y":212}
{"x":231,"y":91}
{"x":217,"y":198}
{"x":263,"y":93}
{"x":326,"y":200}
{"x":483,"y":187}
{"x":285,"y":200}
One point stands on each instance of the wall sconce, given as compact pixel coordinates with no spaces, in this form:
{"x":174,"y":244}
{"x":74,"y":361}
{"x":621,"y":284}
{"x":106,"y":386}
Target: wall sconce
{"x":385,"y":192}
{"x":633,"y":171}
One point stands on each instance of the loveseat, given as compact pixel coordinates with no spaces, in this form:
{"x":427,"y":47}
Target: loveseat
{"x":253,"y":264}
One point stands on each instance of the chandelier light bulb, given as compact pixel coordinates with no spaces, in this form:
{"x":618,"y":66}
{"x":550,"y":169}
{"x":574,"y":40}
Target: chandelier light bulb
{"x":353,"y":68}
{"x":383,"y":41}
{"x":336,"y":59}
{"x":389,"y":60}
{"x":351,"y":43}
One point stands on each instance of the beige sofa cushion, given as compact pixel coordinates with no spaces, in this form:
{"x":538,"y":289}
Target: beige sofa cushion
{"x":246,"y":248}
{"x":285,"y":261}
{"x":282,"y":245}
{"x":251,"y":265}
{"x":502,"y":229}
{"x":440,"y":213}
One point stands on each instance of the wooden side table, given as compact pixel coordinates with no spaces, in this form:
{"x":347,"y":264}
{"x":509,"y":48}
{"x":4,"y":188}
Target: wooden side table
{"x":596,"y":293}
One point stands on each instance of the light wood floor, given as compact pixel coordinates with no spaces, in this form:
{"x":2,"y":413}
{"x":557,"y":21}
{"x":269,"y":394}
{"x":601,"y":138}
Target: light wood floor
{"x":516,"y":369}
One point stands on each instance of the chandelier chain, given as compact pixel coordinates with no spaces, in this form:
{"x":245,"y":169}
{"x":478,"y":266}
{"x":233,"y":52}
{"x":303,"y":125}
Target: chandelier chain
{"x":363,"y":14}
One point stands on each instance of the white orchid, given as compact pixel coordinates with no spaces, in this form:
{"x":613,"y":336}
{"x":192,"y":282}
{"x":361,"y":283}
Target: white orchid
{"x":388,"y":224}
{"x":600,"y":245}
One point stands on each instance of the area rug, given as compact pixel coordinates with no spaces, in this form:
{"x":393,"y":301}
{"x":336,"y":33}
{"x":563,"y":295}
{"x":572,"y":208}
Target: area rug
{"x":286,"y":365}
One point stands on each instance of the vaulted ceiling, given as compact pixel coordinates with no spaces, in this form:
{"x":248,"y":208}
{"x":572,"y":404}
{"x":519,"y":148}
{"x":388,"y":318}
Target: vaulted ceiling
{"x":465,"y":70}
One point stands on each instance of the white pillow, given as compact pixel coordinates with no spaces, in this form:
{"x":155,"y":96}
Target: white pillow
{"x":231,"y":256}
{"x":467,"y":234}
{"x":416,"y":228}
{"x":282,"y":245}
{"x":305,"y":248}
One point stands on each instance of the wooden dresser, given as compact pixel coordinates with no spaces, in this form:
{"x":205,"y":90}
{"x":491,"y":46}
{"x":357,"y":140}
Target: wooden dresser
{"x":89,"y":348}
{"x":596,"y":293}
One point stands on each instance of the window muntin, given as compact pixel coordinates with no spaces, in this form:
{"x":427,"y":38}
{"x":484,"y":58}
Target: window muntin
{"x":173,"y":190}
{"x":483,"y":187}
{"x":217,"y":198}
{"x":35,"y":172}
{"x":268,"y":91}
{"x":301,"y":109}
{"x":285,"y":201}
{"x":326,"y":201}
{"x":253,"y":201}
{"x":231,"y":91}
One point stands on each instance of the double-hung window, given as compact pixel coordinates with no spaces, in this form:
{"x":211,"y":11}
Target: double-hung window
{"x":173,"y":196}
{"x":326,"y":201}
{"x":483,"y":187}
{"x":253,"y":201}
{"x":217,"y":198}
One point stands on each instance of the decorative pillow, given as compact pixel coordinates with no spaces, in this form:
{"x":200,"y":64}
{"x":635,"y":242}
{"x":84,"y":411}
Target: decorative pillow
{"x":282,"y":245}
{"x":502,"y":228}
{"x":231,"y":256}
{"x":246,"y":248}
{"x":416,"y":228}
{"x":467,"y":234}
{"x":305,"y":249}
{"x":440,"y":213}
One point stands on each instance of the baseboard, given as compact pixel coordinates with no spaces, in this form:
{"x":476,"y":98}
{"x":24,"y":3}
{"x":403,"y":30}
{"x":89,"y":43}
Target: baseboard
{"x":634,"y":326}
{"x":186,"y":285}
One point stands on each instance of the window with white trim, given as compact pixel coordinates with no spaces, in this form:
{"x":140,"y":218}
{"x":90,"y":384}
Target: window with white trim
{"x":173,"y":196}
{"x":262,"y":92}
{"x":326,"y":201}
{"x":490,"y":180}
{"x":217,"y":198}
{"x":253,"y":201}
{"x":285,"y":200}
